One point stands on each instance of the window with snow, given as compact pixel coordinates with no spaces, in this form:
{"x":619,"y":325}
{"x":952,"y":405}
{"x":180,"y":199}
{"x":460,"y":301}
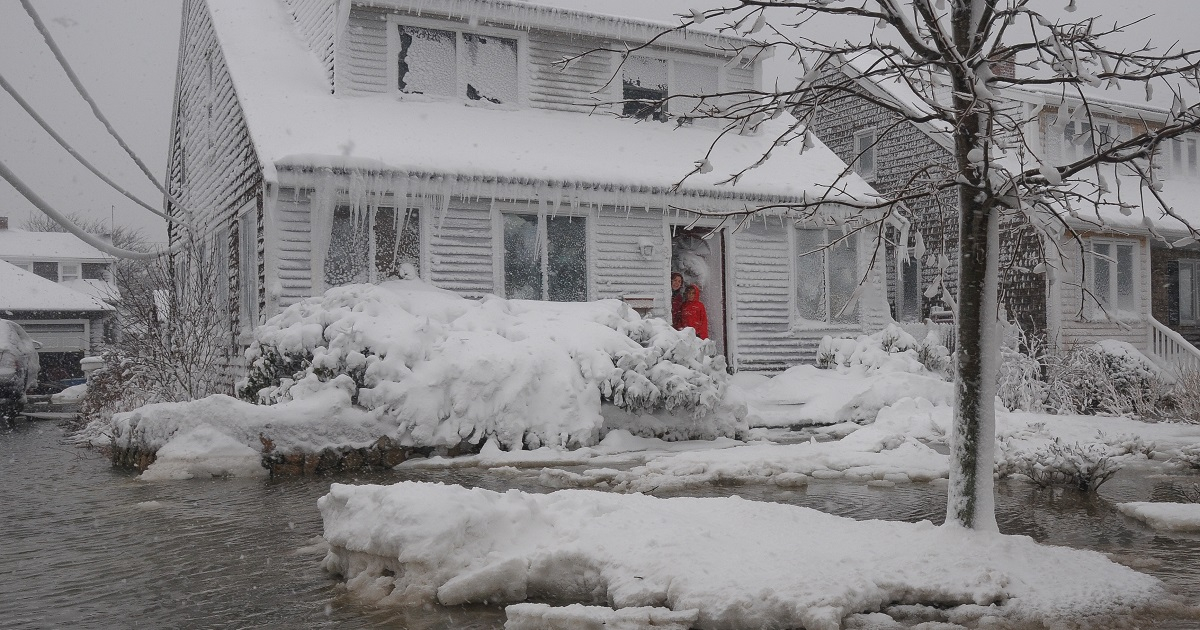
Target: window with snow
{"x":1081,"y":139}
{"x":346,"y":258}
{"x":908,"y":290}
{"x":1112,"y":275}
{"x":647,"y":81}
{"x":826,"y":276}
{"x":452,"y":63}
{"x":68,"y":271}
{"x":864,"y":153}
{"x":397,"y":243}
{"x":545,"y":258}
{"x":1180,"y":155}
{"x":1188,"y":291}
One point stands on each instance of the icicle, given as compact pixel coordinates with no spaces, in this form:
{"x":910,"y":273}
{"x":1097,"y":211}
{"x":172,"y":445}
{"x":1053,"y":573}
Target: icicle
{"x":1070,"y":8}
{"x":919,"y":246}
{"x":1149,"y":92}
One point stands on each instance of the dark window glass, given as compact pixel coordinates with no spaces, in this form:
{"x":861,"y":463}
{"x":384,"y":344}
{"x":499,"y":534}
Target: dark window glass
{"x":397,"y":241}
{"x":522,"y":257}
{"x":346,"y":260}
{"x":95,"y":271}
{"x":47,"y":270}
{"x":566,"y":258}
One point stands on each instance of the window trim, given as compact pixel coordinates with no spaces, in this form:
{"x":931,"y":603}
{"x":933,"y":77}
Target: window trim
{"x":671,"y":57}
{"x":1194,"y":264}
{"x":501,"y":208}
{"x":458,"y":28}
{"x":248,"y":267}
{"x":793,"y":303}
{"x":1114,"y":310}
{"x":871,"y":150}
{"x":64,"y":275}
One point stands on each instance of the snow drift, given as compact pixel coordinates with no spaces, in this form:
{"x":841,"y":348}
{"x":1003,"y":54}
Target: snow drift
{"x":749,"y":565}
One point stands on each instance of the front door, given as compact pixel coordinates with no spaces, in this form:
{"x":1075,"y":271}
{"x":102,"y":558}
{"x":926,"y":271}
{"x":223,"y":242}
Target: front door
{"x":699,"y":254}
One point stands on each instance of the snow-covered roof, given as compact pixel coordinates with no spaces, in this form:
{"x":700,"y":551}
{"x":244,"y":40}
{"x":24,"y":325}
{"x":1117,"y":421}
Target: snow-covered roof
{"x":25,"y":291}
{"x":295,"y":122}
{"x":99,"y":289}
{"x":526,"y":14}
{"x":56,"y":246}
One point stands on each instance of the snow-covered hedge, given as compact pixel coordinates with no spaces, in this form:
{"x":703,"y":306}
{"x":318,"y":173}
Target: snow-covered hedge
{"x":442,"y":369}
{"x":891,"y":349}
{"x":1108,"y":377}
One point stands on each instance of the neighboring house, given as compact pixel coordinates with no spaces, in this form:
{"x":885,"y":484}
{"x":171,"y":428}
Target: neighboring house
{"x":60,"y":257}
{"x":324,"y":142}
{"x":1107,"y":274}
{"x":68,"y":325}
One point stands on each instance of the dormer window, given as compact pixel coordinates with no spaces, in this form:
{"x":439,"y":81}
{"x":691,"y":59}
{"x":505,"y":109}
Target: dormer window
{"x":647,"y":81}
{"x":447,"y":62}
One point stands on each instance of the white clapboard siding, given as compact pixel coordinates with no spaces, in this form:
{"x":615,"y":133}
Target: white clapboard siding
{"x":294,"y":230}
{"x":316,"y":21}
{"x":762,"y":285}
{"x":461,"y":251}
{"x":620,"y":268}
{"x":362,"y":58}
{"x":571,"y":89}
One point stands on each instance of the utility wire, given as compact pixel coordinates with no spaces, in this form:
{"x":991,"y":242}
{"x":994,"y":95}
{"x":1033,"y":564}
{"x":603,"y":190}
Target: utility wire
{"x":62,"y":220}
{"x":62,"y":61}
{"x":8,"y":87}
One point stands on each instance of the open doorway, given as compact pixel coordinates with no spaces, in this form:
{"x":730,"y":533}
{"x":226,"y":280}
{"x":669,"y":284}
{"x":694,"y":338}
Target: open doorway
{"x":699,"y":254}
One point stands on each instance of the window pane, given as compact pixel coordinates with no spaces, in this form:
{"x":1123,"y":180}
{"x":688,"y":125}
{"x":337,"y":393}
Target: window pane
{"x":47,"y":270}
{"x":1125,"y":277}
{"x":865,"y":152}
{"x":248,"y":266}
{"x":1102,"y":274}
{"x":427,"y":61}
{"x":693,"y":78}
{"x":95,"y":271}
{"x":346,"y":260}
{"x":69,"y":271}
{"x":843,"y":278}
{"x":1187,"y":310}
{"x":810,"y":274}
{"x":566,"y":262}
{"x":645,"y":79}
{"x":491,"y":68}
{"x":391,"y":253}
{"x":522,"y":258}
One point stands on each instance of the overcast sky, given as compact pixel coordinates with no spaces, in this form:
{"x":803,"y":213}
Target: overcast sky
{"x":125,"y":53}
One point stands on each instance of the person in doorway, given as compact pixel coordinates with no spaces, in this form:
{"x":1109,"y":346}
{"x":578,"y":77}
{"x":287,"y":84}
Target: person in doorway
{"x":677,"y":300}
{"x":694,"y":315}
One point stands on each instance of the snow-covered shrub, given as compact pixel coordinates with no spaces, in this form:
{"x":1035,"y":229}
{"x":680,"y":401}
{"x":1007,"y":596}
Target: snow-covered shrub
{"x":1020,"y":383}
{"x":444,"y":369}
{"x":1085,"y":466}
{"x":1109,"y":377}
{"x":1190,"y":455}
{"x":891,"y":349}
{"x":1185,"y":398}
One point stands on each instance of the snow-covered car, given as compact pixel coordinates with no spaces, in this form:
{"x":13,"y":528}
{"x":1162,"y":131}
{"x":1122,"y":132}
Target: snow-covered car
{"x":18,"y":367}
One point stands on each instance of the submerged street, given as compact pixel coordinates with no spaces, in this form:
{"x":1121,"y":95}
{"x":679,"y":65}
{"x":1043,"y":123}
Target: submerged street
{"x":93,"y":547}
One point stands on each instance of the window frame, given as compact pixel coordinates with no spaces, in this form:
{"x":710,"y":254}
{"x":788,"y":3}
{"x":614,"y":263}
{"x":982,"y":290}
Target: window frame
{"x":794,"y":306}
{"x":588,"y":214}
{"x":424,"y":207}
{"x":1114,"y":310}
{"x":57,"y":269}
{"x":248,"y":267}
{"x":871,"y":150}
{"x":459,"y":29}
{"x":1194,"y":265}
{"x":673,"y":89}
{"x":69,"y":271}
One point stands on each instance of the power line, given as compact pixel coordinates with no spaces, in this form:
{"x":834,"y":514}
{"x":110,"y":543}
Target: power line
{"x":8,"y":87}
{"x":66,"y":66}
{"x":62,"y":220}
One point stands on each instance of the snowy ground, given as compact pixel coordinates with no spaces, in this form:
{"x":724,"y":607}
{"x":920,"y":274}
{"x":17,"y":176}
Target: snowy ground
{"x":724,"y":562}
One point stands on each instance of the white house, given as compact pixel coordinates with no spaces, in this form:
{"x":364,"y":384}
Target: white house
{"x":60,"y":257}
{"x":322,"y":142}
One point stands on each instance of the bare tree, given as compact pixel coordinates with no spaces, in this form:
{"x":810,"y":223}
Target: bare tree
{"x":943,"y":52}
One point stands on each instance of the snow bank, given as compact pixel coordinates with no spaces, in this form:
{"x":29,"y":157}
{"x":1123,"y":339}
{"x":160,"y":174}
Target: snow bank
{"x":69,"y":396}
{"x":1171,"y":517}
{"x":440,"y":369}
{"x":740,"y":564}
{"x":203,"y":451}
{"x":580,"y":617}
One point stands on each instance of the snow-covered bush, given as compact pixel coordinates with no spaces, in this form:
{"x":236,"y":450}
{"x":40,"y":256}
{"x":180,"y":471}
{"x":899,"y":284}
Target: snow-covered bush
{"x":1085,"y":466}
{"x":443,"y":369}
{"x":890,"y":349}
{"x":1020,"y":383}
{"x":1109,"y":377}
{"x":1185,"y":398}
{"x":1190,"y":455}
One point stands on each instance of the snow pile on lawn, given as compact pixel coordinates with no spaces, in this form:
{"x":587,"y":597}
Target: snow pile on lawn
{"x":740,"y":564}
{"x":853,"y":380}
{"x":1171,"y":517}
{"x":440,"y":369}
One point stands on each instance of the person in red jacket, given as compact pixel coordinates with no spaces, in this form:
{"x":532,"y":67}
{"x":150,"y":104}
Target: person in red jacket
{"x":676,"y":300}
{"x":694,"y":315}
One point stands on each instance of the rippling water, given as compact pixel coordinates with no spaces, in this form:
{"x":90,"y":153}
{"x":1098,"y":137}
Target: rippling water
{"x":85,"y":546}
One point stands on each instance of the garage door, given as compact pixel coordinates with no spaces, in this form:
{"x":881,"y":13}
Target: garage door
{"x":59,"y":336}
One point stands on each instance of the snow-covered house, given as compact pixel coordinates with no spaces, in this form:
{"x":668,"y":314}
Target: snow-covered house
{"x":322,"y":142}
{"x":60,"y":257}
{"x":67,"y":324}
{"x":1111,"y":274}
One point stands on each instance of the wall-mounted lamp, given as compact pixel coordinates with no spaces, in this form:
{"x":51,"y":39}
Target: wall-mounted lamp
{"x":646,"y":247}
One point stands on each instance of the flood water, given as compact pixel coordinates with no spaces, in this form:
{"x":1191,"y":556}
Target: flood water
{"x":85,"y":546}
